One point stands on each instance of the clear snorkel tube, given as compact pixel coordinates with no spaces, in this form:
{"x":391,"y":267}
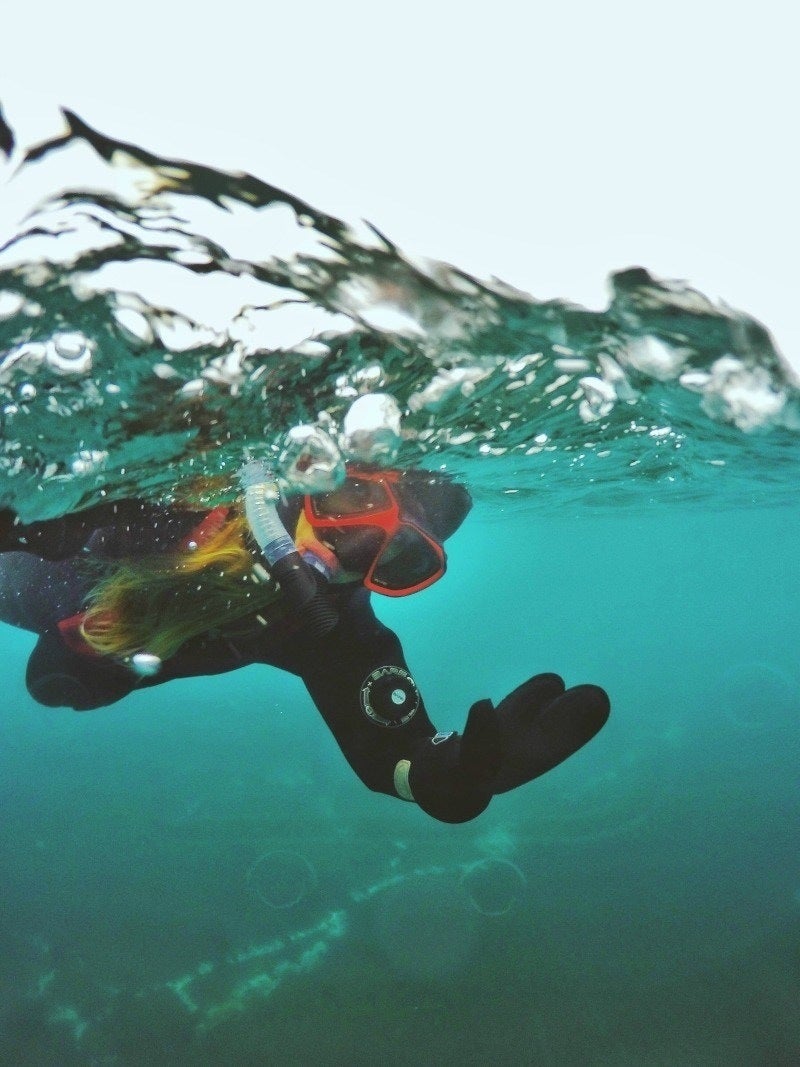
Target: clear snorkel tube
{"x":287,"y":566}
{"x":261,"y":495}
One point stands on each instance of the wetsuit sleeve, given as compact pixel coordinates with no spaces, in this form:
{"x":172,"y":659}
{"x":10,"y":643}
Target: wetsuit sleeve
{"x":122,"y":528}
{"x":359,"y":680}
{"x":59,"y":678}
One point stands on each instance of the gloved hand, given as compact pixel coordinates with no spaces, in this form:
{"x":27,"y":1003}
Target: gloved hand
{"x":451,"y":776}
{"x":531,"y":731}
{"x":541,"y":724}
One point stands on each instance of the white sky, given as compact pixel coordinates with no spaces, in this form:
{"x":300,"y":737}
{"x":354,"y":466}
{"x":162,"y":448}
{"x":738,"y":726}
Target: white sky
{"x":545,"y":143}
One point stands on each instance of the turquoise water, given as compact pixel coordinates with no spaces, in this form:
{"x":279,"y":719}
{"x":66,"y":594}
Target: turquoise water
{"x":195,"y":876}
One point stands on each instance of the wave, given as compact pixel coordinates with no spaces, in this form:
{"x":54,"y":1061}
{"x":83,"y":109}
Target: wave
{"x":158,"y":316}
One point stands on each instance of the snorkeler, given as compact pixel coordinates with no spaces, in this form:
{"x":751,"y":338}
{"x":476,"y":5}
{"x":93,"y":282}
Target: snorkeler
{"x":130,"y":594}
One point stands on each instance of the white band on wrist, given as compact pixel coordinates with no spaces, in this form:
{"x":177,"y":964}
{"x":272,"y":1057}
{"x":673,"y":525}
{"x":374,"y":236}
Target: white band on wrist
{"x":402,"y":788}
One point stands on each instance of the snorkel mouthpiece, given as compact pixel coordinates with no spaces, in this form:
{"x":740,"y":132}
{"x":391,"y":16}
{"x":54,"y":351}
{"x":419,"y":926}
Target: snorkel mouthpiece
{"x":318,"y":563}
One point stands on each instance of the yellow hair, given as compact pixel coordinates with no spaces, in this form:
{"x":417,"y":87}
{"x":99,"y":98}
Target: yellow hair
{"x":158,"y":603}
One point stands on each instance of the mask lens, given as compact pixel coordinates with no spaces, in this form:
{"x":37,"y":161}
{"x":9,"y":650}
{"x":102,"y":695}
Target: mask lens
{"x":355,"y":497}
{"x":356,"y":546}
{"x":439,"y":506}
{"x":407,"y":560}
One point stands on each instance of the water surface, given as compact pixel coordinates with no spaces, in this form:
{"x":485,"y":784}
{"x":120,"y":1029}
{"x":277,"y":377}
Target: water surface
{"x":195,"y":876}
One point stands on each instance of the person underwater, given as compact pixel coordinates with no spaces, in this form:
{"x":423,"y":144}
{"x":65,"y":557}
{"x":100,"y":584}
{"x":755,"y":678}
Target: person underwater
{"x":132,"y":594}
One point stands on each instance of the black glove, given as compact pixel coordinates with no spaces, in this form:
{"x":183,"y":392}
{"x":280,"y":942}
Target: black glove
{"x":541,"y":724}
{"x":450,"y":776}
{"x":534,"y":729}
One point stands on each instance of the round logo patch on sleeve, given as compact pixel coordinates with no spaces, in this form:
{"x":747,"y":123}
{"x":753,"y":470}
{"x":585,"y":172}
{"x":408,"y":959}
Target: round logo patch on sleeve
{"x":389,"y":696}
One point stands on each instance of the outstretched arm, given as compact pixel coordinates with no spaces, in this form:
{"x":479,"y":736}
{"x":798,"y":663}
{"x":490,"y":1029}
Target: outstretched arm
{"x":358,"y":678}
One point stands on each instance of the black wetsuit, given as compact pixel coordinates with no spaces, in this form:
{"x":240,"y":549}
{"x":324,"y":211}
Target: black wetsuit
{"x":46,"y":584}
{"x":355,"y":673}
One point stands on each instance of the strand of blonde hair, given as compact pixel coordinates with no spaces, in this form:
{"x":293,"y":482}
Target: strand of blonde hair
{"x":158,"y":603}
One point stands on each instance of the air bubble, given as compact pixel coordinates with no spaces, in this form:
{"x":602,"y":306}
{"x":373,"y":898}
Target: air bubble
{"x":87,"y":461}
{"x":311,"y":461}
{"x":372,"y":428}
{"x":27,"y":359}
{"x":145,"y":664}
{"x":281,"y":879}
{"x":134,"y":326}
{"x":194,"y":388}
{"x":493,"y":886}
{"x":69,"y":353}
{"x":10,"y":304}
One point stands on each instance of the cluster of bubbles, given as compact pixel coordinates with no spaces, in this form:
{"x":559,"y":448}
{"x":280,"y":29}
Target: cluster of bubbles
{"x":158,"y":316}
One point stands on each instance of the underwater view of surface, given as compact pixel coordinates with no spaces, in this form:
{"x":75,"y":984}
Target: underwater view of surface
{"x":195,"y":875}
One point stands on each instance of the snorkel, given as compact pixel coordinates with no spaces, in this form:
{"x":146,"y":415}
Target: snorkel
{"x":261,"y":495}
{"x":285,"y":563}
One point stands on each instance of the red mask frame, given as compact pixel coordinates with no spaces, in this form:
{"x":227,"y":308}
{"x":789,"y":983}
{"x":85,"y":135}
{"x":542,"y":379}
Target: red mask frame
{"x":406,"y":558}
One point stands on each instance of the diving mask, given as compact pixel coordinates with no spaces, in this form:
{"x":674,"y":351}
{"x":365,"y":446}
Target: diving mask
{"x":375,"y":527}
